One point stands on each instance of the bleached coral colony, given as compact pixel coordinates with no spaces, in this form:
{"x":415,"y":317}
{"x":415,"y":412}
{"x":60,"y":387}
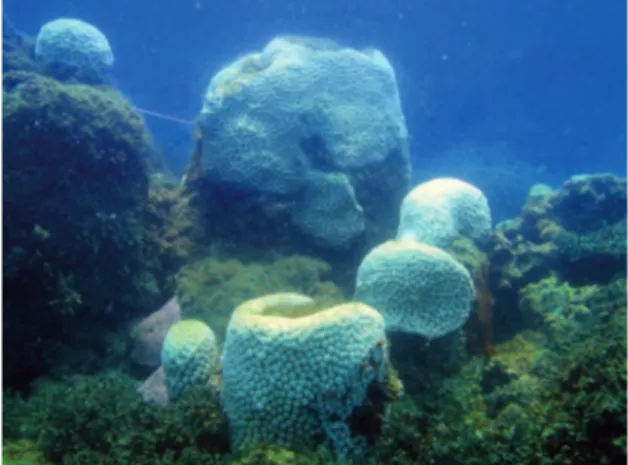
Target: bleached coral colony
{"x":438,"y":211}
{"x":301,"y":119}
{"x":69,"y":46}
{"x":189,"y":356}
{"x":292,"y":372}
{"x":419,"y":287}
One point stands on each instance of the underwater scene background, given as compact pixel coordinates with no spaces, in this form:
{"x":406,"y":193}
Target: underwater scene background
{"x":264,"y":232}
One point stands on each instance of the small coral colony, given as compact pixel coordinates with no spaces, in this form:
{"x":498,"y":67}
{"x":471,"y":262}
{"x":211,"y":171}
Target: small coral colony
{"x":318,"y":308}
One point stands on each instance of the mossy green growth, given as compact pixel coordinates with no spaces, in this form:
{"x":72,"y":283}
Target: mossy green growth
{"x":270,"y":456}
{"x":466,"y":252}
{"x":551,"y":303}
{"x":80,"y":124}
{"x":590,"y":202}
{"x":78,"y":257}
{"x":23,"y":452}
{"x":210,"y":289}
{"x":548,"y":301}
{"x":517,"y":356}
{"x":273,"y":455}
{"x":553,"y":397}
{"x":608,"y":240}
{"x":103,"y":420}
{"x":577,"y":232}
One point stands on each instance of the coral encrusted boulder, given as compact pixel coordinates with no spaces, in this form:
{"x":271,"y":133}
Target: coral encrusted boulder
{"x":316,"y":126}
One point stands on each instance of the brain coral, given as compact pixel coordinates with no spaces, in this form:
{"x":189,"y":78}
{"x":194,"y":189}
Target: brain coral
{"x":189,"y":356}
{"x":73,"y":47}
{"x":438,"y":211}
{"x":291,"y":372}
{"x":416,"y":287}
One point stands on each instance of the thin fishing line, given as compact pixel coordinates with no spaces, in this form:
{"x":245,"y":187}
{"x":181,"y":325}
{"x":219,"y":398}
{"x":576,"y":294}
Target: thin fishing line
{"x":163,"y":116}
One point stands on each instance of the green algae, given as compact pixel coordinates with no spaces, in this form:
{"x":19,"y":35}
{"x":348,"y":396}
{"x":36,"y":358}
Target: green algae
{"x":210,"y":289}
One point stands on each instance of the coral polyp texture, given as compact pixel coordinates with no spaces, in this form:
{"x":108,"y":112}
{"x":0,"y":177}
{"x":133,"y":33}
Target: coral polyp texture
{"x":71,"y":47}
{"x":329,"y":196}
{"x":189,"y":356}
{"x":292,"y":372}
{"x":416,"y":287}
{"x":438,"y":211}
{"x":279,"y":121}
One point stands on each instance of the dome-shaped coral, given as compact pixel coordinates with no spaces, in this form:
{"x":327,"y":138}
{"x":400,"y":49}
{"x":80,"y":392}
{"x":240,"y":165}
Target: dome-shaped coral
{"x":438,"y":211}
{"x":189,"y":356}
{"x":71,"y":47}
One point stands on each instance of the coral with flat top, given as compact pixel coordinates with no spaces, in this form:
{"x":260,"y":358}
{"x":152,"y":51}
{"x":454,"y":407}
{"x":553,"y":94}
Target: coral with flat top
{"x":292,"y":372}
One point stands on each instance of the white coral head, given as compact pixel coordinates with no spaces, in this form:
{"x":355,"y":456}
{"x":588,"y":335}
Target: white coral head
{"x":438,"y":211}
{"x":416,"y":287}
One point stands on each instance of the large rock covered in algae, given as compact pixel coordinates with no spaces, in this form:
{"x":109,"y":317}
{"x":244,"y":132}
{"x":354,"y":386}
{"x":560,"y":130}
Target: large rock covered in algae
{"x":75,"y":183}
{"x":576,"y":233}
{"x":72,"y":143}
